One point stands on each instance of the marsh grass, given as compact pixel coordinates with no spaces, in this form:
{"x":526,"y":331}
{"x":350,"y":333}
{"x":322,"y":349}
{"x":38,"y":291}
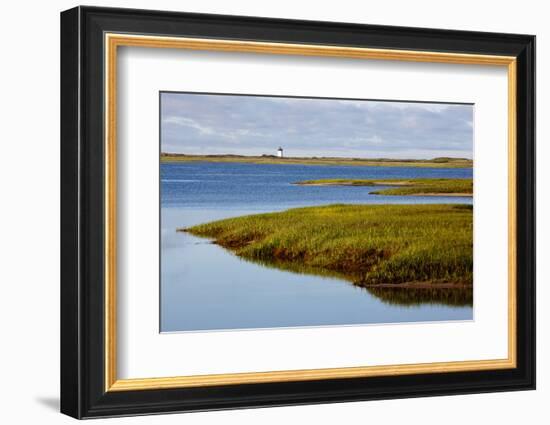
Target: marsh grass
{"x":402,"y":186}
{"x":365,"y":244}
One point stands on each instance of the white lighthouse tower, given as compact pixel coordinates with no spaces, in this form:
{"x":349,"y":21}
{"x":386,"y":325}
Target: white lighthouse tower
{"x":280,"y":152}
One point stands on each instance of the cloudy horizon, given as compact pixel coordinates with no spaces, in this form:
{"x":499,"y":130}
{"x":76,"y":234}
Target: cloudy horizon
{"x":206,"y":124}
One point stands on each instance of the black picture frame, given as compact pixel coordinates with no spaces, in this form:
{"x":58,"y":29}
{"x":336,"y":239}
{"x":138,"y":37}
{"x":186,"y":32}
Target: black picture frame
{"x":83,"y":392}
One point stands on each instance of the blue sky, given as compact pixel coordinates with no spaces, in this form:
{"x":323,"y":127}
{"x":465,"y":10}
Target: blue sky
{"x":256,"y":125}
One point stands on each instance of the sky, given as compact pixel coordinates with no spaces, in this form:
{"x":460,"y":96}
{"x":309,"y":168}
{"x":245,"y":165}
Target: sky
{"x":256,"y":125}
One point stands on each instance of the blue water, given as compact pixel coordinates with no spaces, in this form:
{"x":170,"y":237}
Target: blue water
{"x":205,"y":287}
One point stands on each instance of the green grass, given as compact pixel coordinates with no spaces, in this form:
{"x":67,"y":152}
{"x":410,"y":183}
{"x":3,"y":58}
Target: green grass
{"x":403,"y":186}
{"x":365,"y":244}
{"x":443,"y":162}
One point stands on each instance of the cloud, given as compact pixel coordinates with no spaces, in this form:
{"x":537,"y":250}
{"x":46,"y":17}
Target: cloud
{"x":187,"y":122}
{"x":253,"y":125}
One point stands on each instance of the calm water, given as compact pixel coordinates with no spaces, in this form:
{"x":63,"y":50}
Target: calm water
{"x":205,"y":287}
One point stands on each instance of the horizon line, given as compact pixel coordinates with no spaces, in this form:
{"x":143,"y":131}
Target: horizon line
{"x":313,"y":157}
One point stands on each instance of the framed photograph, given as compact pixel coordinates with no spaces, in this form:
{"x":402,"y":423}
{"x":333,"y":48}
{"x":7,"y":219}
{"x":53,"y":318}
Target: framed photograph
{"x":261,"y":212}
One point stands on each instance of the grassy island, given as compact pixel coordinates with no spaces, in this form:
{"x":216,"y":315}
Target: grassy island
{"x":424,"y":187}
{"x":442,"y":162}
{"x":369,"y":245}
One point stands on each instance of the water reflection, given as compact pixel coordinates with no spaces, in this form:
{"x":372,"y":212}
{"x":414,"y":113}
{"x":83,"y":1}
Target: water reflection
{"x":458,"y":296}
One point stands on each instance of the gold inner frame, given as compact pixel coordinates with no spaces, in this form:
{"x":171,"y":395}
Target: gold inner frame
{"x":113,"y":41}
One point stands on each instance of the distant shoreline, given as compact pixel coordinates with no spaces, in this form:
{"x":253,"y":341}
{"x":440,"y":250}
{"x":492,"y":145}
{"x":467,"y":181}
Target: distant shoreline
{"x":443,"y":162}
{"x":403,"y":187}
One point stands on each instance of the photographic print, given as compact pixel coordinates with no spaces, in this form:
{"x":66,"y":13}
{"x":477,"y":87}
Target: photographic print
{"x":295,"y":212}
{"x":302,"y":232}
